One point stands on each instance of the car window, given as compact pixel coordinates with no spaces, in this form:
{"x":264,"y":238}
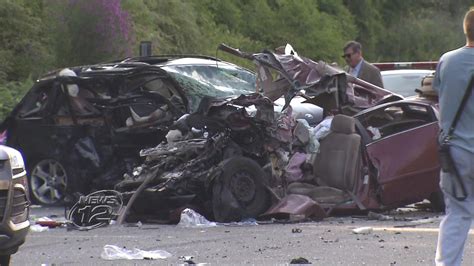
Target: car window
{"x":393,"y":119}
{"x":209,"y":80}
{"x":36,"y":101}
{"x":403,"y":83}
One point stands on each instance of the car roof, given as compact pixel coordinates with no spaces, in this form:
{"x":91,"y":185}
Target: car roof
{"x":166,"y":59}
{"x":133,"y":63}
{"x":407,"y":71}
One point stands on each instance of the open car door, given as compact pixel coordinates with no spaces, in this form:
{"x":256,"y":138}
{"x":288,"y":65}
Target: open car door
{"x":403,"y":150}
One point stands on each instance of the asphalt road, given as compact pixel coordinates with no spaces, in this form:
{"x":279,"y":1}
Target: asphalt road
{"x":410,"y":239}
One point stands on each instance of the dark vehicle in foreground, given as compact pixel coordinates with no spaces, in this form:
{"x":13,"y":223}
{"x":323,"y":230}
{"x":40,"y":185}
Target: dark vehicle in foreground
{"x":379,"y":154}
{"x":81,"y":128}
{"x":14,"y":203}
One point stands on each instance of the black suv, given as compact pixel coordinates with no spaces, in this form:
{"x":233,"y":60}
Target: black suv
{"x":81,"y":128}
{"x":14,"y":204}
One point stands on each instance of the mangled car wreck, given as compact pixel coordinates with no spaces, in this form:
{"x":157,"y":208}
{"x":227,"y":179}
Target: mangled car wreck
{"x":240,"y":159}
{"x":80,"y":129}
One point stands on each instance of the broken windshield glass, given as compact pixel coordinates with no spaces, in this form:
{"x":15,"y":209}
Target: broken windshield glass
{"x":214,"y":81}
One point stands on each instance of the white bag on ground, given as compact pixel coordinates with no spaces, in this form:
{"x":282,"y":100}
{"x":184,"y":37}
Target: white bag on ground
{"x":190,"y":218}
{"x":112,"y":252}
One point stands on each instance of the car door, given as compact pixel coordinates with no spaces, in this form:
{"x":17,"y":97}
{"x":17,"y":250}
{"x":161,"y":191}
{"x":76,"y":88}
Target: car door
{"x":403,"y":150}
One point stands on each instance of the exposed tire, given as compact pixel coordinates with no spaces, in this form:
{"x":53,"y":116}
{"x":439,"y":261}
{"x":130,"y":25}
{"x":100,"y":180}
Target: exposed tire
{"x":239,"y":192}
{"x":437,"y":201}
{"x":48,"y":182}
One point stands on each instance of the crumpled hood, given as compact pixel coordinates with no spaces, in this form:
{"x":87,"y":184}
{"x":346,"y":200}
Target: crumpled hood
{"x":316,"y":79}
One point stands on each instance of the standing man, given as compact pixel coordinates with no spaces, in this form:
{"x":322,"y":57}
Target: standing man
{"x":358,"y":67}
{"x":453,"y":73}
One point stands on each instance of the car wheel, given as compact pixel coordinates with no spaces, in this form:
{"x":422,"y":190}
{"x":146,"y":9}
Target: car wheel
{"x":48,"y":182}
{"x":239,"y":192}
{"x":437,"y":201}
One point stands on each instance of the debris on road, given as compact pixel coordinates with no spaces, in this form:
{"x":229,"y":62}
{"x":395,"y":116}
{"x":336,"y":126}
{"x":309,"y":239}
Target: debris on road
{"x":192,"y":219}
{"x":419,"y":222}
{"x":38,"y":228}
{"x":112,"y":252}
{"x":296,"y":230}
{"x":379,"y":216}
{"x":363,"y":230}
{"x":300,"y":260}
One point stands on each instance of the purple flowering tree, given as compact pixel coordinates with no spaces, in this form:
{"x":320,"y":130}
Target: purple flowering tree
{"x":90,"y":31}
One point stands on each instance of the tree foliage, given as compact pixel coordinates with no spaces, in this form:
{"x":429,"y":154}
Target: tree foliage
{"x":40,"y":35}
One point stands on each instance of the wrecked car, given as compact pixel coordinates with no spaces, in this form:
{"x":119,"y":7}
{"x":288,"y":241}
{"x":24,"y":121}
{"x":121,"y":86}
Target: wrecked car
{"x":82,"y":128}
{"x":365,"y":161}
{"x":220,"y":174}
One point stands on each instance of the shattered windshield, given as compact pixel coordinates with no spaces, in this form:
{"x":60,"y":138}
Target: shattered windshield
{"x":212,"y":80}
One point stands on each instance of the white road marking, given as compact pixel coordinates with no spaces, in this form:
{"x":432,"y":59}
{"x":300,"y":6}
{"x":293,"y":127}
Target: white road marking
{"x":412,"y":229}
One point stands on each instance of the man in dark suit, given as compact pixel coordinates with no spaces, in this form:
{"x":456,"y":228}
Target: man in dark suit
{"x":358,"y":67}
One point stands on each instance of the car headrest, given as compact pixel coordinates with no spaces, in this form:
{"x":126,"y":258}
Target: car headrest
{"x":343,"y":124}
{"x":427,"y":87}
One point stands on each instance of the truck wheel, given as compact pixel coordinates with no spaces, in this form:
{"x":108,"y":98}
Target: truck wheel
{"x":48,"y":182}
{"x":239,"y":192}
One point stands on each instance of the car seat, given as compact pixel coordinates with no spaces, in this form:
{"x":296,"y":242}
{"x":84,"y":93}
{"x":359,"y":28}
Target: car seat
{"x":336,"y":167}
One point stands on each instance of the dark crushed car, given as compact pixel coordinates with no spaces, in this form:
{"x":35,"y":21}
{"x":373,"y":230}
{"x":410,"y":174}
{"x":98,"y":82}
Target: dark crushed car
{"x":14,"y":203}
{"x":241,"y":168}
{"x":82,"y":128}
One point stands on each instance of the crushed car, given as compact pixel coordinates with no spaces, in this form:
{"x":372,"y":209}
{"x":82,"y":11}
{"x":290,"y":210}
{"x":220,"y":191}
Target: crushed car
{"x":253,"y":162}
{"x":81,"y":128}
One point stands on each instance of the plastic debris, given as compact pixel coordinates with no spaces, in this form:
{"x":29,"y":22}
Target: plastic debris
{"x":38,"y":228}
{"x":112,"y":252}
{"x":363,"y":230}
{"x":192,"y":219}
{"x":245,"y":222}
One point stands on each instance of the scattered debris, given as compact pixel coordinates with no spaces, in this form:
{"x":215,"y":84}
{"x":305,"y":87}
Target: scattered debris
{"x":296,"y":230}
{"x":379,"y":216}
{"x":38,"y":228}
{"x":300,"y":260}
{"x":419,"y":222}
{"x":112,"y":252}
{"x":363,"y":230}
{"x":190,"y":218}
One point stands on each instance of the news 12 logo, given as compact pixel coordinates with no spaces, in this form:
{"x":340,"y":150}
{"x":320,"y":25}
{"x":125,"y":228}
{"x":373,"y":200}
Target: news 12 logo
{"x":96,"y":209}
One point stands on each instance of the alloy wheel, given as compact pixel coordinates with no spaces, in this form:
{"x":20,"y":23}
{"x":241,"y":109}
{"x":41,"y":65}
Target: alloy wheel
{"x":48,"y":181}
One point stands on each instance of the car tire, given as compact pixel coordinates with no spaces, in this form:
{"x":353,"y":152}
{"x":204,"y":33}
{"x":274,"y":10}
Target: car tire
{"x":48,"y":182}
{"x":240,"y":191}
{"x":437,"y":201}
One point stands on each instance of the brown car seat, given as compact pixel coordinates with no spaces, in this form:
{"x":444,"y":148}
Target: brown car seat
{"x":336,"y":166}
{"x":426,"y":89}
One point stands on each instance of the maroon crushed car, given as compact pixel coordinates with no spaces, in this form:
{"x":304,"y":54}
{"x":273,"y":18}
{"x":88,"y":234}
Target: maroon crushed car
{"x":378,"y":152}
{"x":381,"y":151}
